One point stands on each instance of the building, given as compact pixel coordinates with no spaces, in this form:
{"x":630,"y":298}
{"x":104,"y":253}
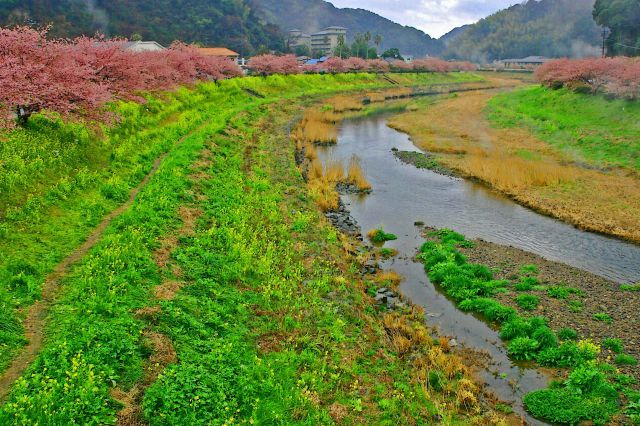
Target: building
{"x":325,"y":41}
{"x":297,"y":38}
{"x":222,"y":52}
{"x":525,"y":63}
{"x":144,"y":46}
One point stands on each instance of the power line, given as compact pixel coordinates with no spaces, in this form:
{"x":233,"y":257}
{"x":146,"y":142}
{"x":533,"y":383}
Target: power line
{"x":628,"y":47}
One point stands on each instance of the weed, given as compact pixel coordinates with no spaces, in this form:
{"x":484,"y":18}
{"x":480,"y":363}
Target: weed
{"x":529,"y":270}
{"x":567,"y":334}
{"x":545,"y":337}
{"x":526,"y":284}
{"x":630,"y":287}
{"x":624,"y":359}
{"x":387,"y":252}
{"x":523,"y":348}
{"x":614,"y":345}
{"x":528,"y":302}
{"x":603,"y":317}
{"x":379,"y":236}
{"x":575,"y":306}
{"x":562,"y":292}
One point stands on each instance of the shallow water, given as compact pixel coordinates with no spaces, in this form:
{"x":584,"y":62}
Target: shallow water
{"x":403,"y":194}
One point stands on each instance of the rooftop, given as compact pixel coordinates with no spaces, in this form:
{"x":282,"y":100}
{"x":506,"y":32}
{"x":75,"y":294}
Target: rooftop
{"x":529,"y":59}
{"x":217,"y":51}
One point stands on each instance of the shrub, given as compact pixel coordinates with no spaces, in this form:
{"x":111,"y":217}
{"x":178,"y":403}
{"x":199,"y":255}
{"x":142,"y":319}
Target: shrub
{"x":614,"y":345}
{"x":617,"y":76}
{"x":624,"y":359}
{"x":528,"y":302}
{"x":567,"y":334}
{"x":604,"y":317}
{"x":523,"y":348}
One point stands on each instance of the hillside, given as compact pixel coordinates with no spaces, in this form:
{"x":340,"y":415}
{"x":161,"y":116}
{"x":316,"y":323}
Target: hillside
{"x":550,"y":28}
{"x":231,"y":23}
{"x":313,"y":15}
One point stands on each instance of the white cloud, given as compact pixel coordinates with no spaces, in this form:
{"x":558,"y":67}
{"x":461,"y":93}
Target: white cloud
{"x":435,"y":17}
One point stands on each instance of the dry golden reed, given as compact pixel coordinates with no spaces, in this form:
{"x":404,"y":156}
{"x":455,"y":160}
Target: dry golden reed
{"x":356,"y":175}
{"x":342,"y":104}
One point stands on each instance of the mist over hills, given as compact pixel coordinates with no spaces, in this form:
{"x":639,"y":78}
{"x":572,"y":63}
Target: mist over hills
{"x":313,"y":15}
{"x":551,"y":28}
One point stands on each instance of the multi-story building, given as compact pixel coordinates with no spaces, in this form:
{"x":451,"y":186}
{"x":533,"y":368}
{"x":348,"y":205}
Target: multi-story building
{"x":297,"y":38}
{"x":325,"y":41}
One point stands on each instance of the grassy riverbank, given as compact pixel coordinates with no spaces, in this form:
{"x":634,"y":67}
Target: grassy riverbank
{"x":567,"y":155}
{"x":552,"y":314}
{"x":220,"y":295}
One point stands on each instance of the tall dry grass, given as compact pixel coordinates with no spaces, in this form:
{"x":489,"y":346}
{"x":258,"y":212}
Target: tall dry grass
{"x":341,"y":104}
{"x":375,"y":97}
{"x":356,"y":175}
{"x":508,"y":172}
{"x":316,"y":127}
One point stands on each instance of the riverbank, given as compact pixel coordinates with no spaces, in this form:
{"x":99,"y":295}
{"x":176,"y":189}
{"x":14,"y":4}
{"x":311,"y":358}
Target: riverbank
{"x":562,"y":178}
{"x":551,"y":314}
{"x":218,"y":293}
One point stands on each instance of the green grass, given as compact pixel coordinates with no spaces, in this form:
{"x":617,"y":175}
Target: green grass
{"x":581,"y":126}
{"x":255,"y":334}
{"x":58,"y":180}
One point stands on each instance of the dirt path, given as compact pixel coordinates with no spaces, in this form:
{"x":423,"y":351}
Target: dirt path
{"x":34,"y":322}
{"x":518,"y":164}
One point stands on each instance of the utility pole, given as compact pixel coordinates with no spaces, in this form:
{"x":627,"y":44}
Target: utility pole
{"x":605,"y":34}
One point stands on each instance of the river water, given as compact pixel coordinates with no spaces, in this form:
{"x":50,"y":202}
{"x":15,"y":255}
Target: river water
{"x":403,"y":195}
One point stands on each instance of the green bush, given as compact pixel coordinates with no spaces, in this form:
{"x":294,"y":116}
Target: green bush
{"x":528,"y":302}
{"x":624,"y":359}
{"x":614,"y":345}
{"x":523,"y":348}
{"x":567,"y":334}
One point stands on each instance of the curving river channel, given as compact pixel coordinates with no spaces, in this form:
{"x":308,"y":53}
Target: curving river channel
{"x":403,"y":194}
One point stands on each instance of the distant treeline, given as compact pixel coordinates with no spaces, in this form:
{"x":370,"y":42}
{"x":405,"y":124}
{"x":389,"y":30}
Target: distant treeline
{"x":230,"y":23}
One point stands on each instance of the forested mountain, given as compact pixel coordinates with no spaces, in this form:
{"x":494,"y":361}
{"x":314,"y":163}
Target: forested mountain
{"x":313,"y":15}
{"x":547,"y":27}
{"x":231,"y":23}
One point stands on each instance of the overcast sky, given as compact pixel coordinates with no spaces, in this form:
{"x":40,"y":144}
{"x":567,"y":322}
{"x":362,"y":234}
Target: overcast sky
{"x":435,"y":17}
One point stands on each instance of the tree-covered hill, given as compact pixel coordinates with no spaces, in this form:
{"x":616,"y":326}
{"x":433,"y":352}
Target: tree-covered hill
{"x":231,"y":23}
{"x":547,"y":27}
{"x":313,"y":15}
